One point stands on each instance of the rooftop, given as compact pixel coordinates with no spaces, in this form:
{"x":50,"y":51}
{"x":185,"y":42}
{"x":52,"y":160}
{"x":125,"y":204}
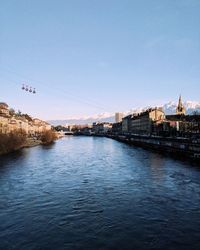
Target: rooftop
{"x":3,"y":105}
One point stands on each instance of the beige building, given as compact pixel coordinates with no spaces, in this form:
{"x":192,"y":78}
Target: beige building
{"x":4,"y":118}
{"x":118,"y":117}
{"x":39,"y":126}
{"x":143,"y":122}
{"x":4,"y":127}
{"x":4,"y":109}
{"x":10,"y":123}
{"x":22,"y":123}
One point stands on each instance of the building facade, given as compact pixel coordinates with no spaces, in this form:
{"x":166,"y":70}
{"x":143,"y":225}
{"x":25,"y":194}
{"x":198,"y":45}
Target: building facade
{"x":4,"y":111}
{"x":102,"y":128}
{"x":142,"y":123}
{"x":126,"y":124}
{"x":118,"y":117}
{"x":9,"y":123}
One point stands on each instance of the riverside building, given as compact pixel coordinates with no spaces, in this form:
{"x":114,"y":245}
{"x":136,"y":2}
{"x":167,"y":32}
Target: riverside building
{"x":10,"y":122}
{"x":142,"y":123}
{"x":118,"y":117}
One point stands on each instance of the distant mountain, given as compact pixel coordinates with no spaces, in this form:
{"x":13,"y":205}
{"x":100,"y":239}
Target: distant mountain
{"x":104,"y":117}
{"x":191,"y":106}
{"x":169,"y":108}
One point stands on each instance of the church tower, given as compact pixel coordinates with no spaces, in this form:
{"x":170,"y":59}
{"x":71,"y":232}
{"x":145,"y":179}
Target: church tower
{"x":180,"y":110}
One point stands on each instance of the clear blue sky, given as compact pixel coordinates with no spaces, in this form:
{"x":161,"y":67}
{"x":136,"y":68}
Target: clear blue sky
{"x":91,"y":56}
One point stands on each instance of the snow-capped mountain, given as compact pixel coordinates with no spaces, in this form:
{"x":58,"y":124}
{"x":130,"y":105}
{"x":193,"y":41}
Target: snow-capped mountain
{"x":169,"y":108}
{"x":191,"y":106}
{"x":103,"y":117}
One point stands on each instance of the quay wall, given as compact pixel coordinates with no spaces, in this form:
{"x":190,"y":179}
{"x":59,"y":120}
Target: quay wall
{"x":178,"y":146}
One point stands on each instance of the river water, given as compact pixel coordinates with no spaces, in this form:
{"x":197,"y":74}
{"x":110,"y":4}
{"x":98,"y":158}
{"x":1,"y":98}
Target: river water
{"x":97,"y":193}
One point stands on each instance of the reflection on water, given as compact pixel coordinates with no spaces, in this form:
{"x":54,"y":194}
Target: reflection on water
{"x":96,"y":193}
{"x":16,"y":156}
{"x":49,"y":146}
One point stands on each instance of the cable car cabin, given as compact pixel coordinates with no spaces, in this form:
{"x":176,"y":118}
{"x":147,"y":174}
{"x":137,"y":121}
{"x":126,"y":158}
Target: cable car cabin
{"x":28,"y":89}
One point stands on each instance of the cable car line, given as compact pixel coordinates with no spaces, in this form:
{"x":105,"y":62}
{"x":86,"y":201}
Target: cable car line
{"x":63,"y":93}
{"x":80,"y":99}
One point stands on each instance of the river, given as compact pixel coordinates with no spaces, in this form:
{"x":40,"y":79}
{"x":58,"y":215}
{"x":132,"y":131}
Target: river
{"x":97,"y":193}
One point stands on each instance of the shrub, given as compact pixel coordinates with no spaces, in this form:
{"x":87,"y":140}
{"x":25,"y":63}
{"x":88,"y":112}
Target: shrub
{"x":12,"y":141}
{"x":48,"y":137}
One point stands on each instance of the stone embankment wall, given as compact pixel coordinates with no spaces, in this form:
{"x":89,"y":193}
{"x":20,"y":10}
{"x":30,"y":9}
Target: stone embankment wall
{"x":178,"y":146}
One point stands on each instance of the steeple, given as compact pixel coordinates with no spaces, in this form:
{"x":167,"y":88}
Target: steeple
{"x":180,"y":110}
{"x":180,"y":101}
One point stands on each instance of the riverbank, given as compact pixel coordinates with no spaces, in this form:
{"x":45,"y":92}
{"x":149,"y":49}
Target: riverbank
{"x":30,"y":142}
{"x":185,"y":148}
{"x":179,"y":147}
{"x":16,"y":141}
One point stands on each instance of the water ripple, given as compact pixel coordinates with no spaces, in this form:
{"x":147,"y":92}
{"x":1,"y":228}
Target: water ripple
{"x":96,"y":193}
